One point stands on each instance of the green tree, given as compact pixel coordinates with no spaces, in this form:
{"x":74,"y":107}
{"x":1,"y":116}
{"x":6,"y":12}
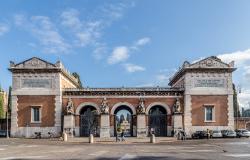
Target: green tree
{"x":2,"y":114}
{"x":9,"y":99}
{"x":77,"y":76}
{"x":235,"y":103}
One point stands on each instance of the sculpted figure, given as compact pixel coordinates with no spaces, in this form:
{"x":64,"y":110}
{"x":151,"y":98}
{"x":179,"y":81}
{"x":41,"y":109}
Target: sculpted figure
{"x":104,"y":106}
{"x":70,"y":107}
{"x":141,"y":106}
{"x":177,"y":105}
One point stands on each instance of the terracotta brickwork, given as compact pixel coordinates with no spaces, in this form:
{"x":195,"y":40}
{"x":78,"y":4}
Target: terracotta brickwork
{"x":198,"y":110}
{"x":47,"y":104}
{"x":112,"y":101}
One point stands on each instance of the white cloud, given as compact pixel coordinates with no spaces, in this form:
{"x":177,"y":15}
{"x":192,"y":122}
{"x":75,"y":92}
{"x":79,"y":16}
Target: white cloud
{"x":119,"y":54}
{"x":122,"y":53}
{"x":45,"y":31}
{"x":240,"y":57}
{"x":3,"y":29}
{"x":142,"y":41}
{"x":73,"y":29}
{"x":133,"y":68}
{"x":242,"y":61}
{"x":70,"y":18}
{"x":99,"y":51}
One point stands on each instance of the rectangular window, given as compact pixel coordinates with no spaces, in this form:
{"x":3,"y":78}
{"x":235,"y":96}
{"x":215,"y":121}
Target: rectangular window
{"x":209,"y":113}
{"x":35,"y":114}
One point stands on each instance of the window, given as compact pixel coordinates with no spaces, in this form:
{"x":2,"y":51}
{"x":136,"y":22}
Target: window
{"x":209,"y":113}
{"x":35,"y":114}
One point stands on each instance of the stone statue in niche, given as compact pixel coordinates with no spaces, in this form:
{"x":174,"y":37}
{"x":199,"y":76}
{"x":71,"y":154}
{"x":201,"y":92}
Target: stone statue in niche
{"x":141,"y":106}
{"x":104,"y":106}
{"x":70,"y":107}
{"x":177,"y":106}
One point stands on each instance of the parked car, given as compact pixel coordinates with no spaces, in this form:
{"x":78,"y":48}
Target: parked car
{"x":199,"y":134}
{"x":3,"y":133}
{"x":216,"y":134}
{"x":228,"y":133}
{"x":242,"y":133}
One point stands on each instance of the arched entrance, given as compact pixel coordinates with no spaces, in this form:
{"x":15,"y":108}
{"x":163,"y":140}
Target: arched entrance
{"x":89,"y":121}
{"x":123,"y":120}
{"x":157,"y":119}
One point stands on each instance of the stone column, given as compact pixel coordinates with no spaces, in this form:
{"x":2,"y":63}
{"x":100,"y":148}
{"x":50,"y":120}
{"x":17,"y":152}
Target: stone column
{"x":105,"y":126}
{"x":141,"y":126}
{"x":14,"y":109}
{"x":69,"y":124}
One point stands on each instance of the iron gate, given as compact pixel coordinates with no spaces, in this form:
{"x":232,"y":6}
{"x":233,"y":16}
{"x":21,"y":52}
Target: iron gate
{"x":89,"y":123}
{"x":158,"y":123}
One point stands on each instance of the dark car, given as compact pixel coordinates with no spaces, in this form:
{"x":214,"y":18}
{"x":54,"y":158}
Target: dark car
{"x":3,"y":133}
{"x":199,"y":135}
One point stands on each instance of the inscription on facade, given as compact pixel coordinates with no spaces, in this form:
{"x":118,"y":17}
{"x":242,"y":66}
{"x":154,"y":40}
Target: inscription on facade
{"x":210,"y":83}
{"x":36,"y":83}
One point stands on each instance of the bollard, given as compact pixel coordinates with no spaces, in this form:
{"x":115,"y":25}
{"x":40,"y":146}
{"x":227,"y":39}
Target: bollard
{"x":65,"y":137}
{"x":91,"y":138}
{"x":152,"y":138}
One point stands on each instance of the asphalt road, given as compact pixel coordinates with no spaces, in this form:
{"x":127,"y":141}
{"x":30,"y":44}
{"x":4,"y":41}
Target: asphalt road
{"x":218,"y":149}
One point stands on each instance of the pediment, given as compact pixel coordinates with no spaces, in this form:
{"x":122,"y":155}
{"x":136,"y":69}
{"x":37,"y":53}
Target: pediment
{"x":35,"y":63}
{"x":210,"y":62}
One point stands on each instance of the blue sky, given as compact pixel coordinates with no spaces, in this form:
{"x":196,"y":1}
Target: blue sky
{"x":126,"y":43}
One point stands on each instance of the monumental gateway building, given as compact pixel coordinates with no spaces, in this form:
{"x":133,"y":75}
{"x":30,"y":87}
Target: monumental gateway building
{"x":48,"y":99}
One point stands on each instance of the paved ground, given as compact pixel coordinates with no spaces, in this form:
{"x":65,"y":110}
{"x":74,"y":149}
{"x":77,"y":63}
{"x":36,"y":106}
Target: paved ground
{"x":228,"y":149}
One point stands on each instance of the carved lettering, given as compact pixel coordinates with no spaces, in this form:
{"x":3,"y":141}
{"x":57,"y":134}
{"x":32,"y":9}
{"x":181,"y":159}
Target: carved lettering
{"x":36,"y":83}
{"x":210,"y":83}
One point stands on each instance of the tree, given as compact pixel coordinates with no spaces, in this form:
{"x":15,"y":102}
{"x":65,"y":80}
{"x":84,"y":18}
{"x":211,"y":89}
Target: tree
{"x":235,"y":103}
{"x":2,"y":114}
{"x":77,"y":76}
{"x":9,"y":99}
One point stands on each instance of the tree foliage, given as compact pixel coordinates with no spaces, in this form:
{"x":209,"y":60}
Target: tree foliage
{"x":77,"y":76}
{"x":2,"y":114}
{"x":9,"y":99}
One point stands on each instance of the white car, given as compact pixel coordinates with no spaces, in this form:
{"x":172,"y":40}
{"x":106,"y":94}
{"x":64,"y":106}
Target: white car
{"x":216,"y":134}
{"x":243,"y":133}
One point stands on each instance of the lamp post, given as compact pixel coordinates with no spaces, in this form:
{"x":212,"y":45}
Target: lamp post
{"x":7,"y":118}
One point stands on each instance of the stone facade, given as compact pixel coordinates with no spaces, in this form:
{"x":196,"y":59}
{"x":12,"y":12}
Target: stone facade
{"x":142,"y":110}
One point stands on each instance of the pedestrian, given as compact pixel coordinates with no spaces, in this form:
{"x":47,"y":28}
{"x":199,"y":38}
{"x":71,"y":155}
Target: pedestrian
{"x":122,"y":135}
{"x":183,"y":135}
{"x":208,"y":134}
{"x":118,"y":131}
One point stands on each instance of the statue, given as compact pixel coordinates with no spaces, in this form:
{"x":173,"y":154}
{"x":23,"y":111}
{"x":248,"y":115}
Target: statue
{"x":70,"y":107}
{"x":141,"y":106}
{"x":104,"y":106}
{"x":177,"y":106}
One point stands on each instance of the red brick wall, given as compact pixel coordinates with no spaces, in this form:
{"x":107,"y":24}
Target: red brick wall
{"x":198,"y":110}
{"x":47,"y":104}
{"x":112,"y":101}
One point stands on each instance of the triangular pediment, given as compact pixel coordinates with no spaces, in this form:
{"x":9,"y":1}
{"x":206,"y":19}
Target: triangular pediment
{"x":35,"y":63}
{"x":210,"y":62}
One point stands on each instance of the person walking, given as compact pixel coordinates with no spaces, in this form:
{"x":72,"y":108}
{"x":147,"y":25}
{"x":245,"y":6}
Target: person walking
{"x":122,"y":135}
{"x":208,"y":134}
